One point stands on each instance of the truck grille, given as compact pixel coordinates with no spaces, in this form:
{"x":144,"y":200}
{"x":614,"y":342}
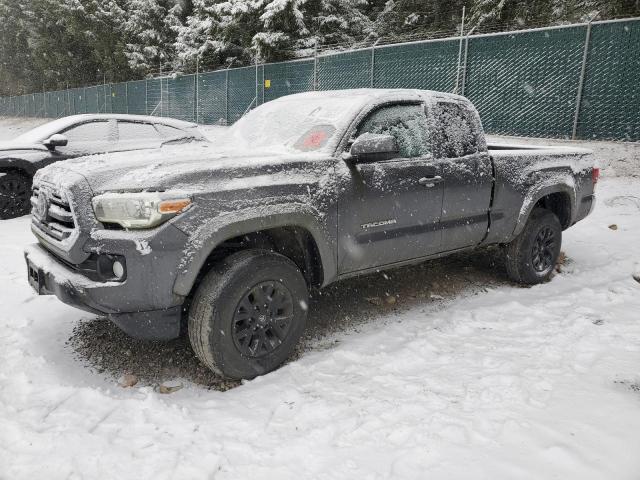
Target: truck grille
{"x":51,"y":213}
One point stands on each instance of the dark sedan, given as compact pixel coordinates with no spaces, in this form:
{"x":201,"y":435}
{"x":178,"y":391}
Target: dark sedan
{"x":76,"y":136}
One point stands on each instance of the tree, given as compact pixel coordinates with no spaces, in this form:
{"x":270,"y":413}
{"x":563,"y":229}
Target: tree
{"x":151,"y":32}
{"x":290,"y":25}
{"x":15,"y":53}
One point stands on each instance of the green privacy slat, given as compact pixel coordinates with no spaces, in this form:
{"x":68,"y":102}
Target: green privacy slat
{"x":92,"y":97}
{"x":180,"y":97}
{"x":212,"y":98}
{"x":286,"y":78}
{"x":119,"y":98}
{"x":78,"y":101}
{"x":153,"y":96}
{"x":242,"y":91}
{"x":526,"y":83}
{"x":427,"y":65}
{"x":610,"y":108}
{"x":523,"y":83}
{"x":136,"y":98}
{"x":344,"y":70}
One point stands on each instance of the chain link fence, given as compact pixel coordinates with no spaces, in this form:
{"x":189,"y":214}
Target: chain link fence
{"x":575,"y":81}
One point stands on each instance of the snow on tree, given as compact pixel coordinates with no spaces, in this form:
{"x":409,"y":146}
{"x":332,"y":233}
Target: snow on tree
{"x":54,"y":43}
{"x":151,"y":31}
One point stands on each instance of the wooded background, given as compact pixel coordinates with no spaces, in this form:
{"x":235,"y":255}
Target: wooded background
{"x":54,"y":44}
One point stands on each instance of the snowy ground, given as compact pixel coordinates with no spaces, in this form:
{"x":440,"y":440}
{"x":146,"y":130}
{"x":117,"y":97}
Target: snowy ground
{"x":461,"y":375}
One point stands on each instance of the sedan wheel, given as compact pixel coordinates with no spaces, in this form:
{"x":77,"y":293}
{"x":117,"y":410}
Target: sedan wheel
{"x":15,"y":192}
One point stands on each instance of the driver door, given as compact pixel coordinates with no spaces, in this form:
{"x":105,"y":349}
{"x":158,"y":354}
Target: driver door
{"x":389,"y":211}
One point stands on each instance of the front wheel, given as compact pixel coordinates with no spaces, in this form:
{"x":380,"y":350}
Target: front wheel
{"x":532,"y":256}
{"x":15,"y":192}
{"x":248,"y":313}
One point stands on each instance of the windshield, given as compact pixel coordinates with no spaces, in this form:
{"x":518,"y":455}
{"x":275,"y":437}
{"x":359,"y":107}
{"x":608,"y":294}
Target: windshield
{"x":41,"y":133}
{"x":302,"y":124}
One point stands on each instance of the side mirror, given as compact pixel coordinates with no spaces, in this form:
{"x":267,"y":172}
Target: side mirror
{"x":55,"y":140}
{"x":373,"y":147}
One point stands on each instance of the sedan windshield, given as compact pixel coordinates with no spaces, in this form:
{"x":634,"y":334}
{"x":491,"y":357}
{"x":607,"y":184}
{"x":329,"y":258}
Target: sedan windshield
{"x":41,"y":133}
{"x":300,"y":124}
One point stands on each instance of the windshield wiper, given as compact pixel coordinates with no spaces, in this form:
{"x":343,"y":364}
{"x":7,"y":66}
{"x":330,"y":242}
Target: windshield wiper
{"x":174,"y":141}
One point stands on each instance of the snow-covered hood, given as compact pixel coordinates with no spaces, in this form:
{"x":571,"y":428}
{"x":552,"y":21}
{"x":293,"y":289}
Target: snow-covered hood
{"x":190,"y":168}
{"x":12,"y":147}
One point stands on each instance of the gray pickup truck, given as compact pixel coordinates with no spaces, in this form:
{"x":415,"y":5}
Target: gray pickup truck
{"x":226,"y":241}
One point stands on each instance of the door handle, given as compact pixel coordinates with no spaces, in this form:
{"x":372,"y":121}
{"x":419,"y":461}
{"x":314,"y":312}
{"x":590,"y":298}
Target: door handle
{"x":430,"y":181}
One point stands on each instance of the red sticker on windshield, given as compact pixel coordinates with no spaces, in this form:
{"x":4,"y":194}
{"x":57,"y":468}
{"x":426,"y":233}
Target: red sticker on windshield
{"x":314,"y":139}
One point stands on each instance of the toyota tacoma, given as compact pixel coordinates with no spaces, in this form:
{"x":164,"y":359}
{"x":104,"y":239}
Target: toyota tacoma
{"x":226,"y":241}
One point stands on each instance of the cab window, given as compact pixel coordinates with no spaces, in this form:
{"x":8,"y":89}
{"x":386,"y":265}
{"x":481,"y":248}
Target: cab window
{"x":407,"y":123}
{"x":456,"y":134}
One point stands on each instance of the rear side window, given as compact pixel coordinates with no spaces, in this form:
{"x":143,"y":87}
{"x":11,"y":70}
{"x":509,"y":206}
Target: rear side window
{"x":169,"y":132}
{"x":407,"y":123}
{"x":456,"y":134}
{"x":132,"y":131}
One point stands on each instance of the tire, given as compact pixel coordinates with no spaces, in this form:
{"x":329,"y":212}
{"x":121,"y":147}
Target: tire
{"x":230,"y":330}
{"x":15,"y":192}
{"x":532,"y":256}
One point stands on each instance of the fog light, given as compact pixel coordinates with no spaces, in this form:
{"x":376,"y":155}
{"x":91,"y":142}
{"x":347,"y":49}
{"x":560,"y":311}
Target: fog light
{"x":118,"y":269}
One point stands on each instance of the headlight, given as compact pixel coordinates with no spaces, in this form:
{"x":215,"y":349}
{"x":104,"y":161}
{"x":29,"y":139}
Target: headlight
{"x":138,"y":210}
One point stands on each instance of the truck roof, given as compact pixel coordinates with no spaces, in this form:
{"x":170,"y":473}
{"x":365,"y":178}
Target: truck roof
{"x":369,"y":94}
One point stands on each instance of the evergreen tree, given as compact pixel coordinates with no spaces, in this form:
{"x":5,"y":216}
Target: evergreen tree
{"x":15,"y":52}
{"x":54,"y":43}
{"x":151,"y":31}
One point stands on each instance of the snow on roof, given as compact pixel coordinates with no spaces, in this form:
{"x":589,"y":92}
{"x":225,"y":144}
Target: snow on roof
{"x":368,"y":94}
{"x":128,"y":117}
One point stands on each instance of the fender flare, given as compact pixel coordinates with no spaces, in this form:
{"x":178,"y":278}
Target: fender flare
{"x":229,"y":225}
{"x":565,"y":187}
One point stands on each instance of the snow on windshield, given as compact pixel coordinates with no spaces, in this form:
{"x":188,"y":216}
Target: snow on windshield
{"x":295,"y":125}
{"x":43,"y":132}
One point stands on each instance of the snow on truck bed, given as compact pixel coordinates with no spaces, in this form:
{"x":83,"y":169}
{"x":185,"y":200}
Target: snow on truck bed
{"x":499,"y":149}
{"x":484,"y":380}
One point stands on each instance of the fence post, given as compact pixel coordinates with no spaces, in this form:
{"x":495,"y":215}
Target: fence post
{"x":196,"y":100}
{"x":455,"y":89}
{"x":146,"y":96}
{"x":315,"y":66}
{"x":464,"y":66}
{"x":195,"y":97}
{"x":583,"y":70}
{"x":373,"y":63}
{"x":126,"y":95}
{"x":226,"y":96}
{"x":256,"y":80}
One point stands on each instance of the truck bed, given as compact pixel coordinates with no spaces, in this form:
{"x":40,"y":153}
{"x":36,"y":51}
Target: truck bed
{"x":522,"y":173}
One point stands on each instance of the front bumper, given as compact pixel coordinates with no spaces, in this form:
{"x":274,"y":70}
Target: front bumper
{"x":143,"y":305}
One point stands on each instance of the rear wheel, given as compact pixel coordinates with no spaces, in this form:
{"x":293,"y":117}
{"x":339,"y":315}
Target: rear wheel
{"x":15,"y":192}
{"x":248,"y":313}
{"x":532,"y":256}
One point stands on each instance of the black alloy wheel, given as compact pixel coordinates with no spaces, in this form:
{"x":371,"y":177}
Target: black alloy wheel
{"x":263,"y":319}
{"x":542,"y":253}
{"x":531,"y":257}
